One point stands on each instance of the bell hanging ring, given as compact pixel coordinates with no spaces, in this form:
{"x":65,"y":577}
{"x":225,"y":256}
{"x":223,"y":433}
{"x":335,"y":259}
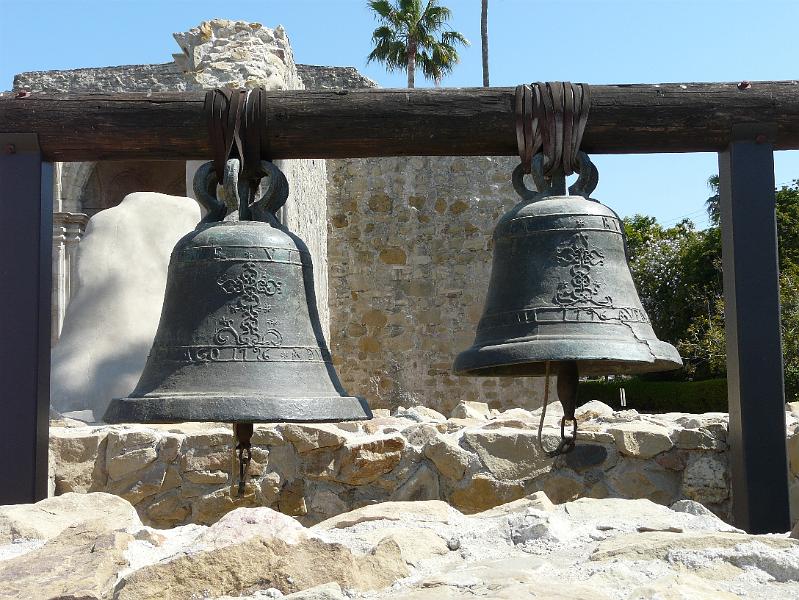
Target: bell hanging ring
{"x":561,"y":289}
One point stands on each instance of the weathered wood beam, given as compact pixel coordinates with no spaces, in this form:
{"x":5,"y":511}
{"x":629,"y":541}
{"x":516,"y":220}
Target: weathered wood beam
{"x":691,"y":117}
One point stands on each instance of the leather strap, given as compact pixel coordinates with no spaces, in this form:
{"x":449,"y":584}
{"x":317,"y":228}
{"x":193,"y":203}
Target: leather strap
{"x":551,"y":117}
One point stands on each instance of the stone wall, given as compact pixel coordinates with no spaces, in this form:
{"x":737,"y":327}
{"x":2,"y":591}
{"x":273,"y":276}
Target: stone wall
{"x":410,"y":257}
{"x":125,"y":78}
{"x":475,"y":460}
{"x":318,"y":77}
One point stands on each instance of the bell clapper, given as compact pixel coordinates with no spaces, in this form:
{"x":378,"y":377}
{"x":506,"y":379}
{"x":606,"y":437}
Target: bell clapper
{"x":568,"y":377}
{"x":243,"y":435}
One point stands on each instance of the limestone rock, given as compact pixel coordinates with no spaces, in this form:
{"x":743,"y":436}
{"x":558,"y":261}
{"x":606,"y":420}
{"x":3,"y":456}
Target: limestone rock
{"x":260,"y":563}
{"x":682,"y":586}
{"x":267,"y":435}
{"x":757,"y":557}
{"x":642,"y":439}
{"x":312,"y":437}
{"x":420,"y":414}
{"x":517,"y":414}
{"x":482,"y":492}
{"x":591,"y":432}
{"x":450,"y":459}
{"x":692,"y":508}
{"x":421,"y":485}
{"x":554,"y":412}
{"x":136,"y":486}
{"x":639,"y":515}
{"x":793,"y":453}
{"x":80,"y":563}
{"x":657,"y":545}
{"x":420,"y":434}
{"x":292,"y":499}
{"x":222,"y":52}
{"x":429,"y":511}
{"x":180,"y":473}
{"x":562,"y":486}
{"x":356,"y":463}
{"x":49,"y":517}
{"x":454,"y":424}
{"x":534,"y":524}
{"x":167,"y":510}
{"x":592,"y":410}
{"x":207,"y":509}
{"x":384,"y":424}
{"x":326,"y":591}
{"x":644,"y":479}
{"x":510,"y":578}
{"x":416,"y":544}
{"x":705,"y":478}
{"x":699,"y":439}
{"x":509,"y":453}
{"x":471,"y":410}
{"x":621,"y":416}
{"x":118,"y":299}
{"x":244,"y":523}
{"x":130,"y":462}
{"x":537,"y":500}
{"x":77,"y":458}
{"x":326,"y":503}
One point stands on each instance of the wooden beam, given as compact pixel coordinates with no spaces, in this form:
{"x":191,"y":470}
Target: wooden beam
{"x":691,"y":117}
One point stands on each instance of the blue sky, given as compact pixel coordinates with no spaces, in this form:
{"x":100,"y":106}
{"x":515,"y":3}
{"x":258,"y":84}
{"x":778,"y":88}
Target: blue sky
{"x":593,"y":41}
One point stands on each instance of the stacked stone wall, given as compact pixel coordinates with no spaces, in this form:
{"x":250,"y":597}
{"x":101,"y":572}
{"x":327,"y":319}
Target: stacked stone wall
{"x":176,"y":474}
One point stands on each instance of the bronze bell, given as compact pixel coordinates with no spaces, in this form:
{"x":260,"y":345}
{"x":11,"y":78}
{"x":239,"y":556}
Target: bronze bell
{"x":239,"y":338}
{"x":561,"y":290}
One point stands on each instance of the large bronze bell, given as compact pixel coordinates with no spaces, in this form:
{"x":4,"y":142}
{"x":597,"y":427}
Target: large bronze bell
{"x":561,"y":290}
{"x":239,"y":338}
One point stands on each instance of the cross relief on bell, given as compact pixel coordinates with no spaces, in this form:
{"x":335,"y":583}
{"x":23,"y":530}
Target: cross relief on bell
{"x":249,"y":288}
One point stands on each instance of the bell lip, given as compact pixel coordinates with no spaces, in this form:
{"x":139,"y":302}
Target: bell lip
{"x":183,"y":408}
{"x":629,"y":357}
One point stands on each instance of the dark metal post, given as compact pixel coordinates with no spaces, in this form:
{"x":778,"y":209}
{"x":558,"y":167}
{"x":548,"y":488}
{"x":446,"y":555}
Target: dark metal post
{"x":26,"y":212}
{"x":754,"y":350}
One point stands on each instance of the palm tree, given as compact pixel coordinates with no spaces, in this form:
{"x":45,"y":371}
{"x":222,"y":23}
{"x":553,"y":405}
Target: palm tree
{"x":406,"y":38}
{"x":712,"y":204}
{"x":484,"y":38}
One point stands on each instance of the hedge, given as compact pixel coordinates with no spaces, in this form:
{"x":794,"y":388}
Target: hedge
{"x":709,"y":395}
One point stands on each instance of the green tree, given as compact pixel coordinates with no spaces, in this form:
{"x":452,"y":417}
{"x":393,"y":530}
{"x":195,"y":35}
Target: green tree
{"x":787,"y":208}
{"x":678,"y":274}
{"x":712,"y":203}
{"x":407,"y":38}
{"x":677,"y":271}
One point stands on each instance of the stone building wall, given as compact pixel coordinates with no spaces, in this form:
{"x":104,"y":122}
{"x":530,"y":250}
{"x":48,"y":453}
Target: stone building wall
{"x":410,"y":256}
{"x":177,"y":474}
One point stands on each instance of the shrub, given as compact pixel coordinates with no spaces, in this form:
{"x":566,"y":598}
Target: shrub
{"x":709,"y":395}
